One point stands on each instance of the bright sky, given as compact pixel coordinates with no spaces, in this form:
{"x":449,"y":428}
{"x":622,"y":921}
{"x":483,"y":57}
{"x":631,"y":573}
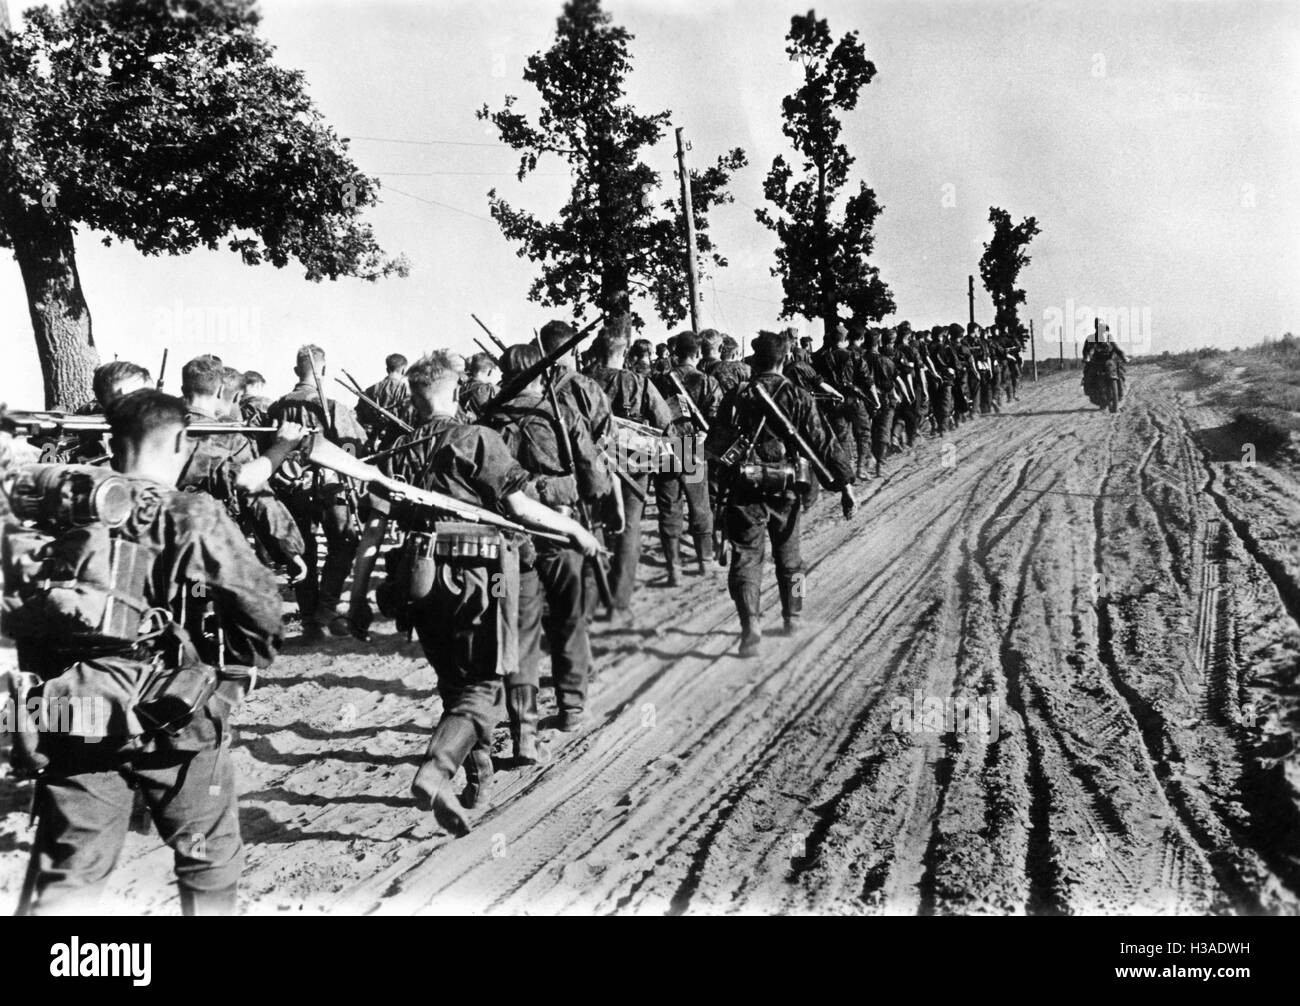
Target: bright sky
{"x":1156,"y":143}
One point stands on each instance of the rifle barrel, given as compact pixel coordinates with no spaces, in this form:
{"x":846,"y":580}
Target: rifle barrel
{"x":500,"y":345}
{"x":41,"y":421}
{"x":355,"y":388}
{"x":692,"y":409}
{"x":526,"y":376}
{"x":792,"y":432}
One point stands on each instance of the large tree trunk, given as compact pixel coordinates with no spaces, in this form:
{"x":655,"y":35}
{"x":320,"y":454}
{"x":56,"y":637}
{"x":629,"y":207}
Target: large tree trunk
{"x":65,"y":343}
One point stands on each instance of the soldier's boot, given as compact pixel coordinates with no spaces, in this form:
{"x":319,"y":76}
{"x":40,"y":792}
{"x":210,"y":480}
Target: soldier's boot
{"x":313,"y":631}
{"x":860,"y":474}
{"x":453,"y":739}
{"x":219,"y":902}
{"x":478,"y":777}
{"x":751,"y":637}
{"x":703,"y":552}
{"x":521,"y":706}
{"x":791,"y":604}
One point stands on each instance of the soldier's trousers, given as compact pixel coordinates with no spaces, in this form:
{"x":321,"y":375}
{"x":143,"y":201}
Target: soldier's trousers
{"x":556,"y":584}
{"x":905,"y":417}
{"x":860,"y":424}
{"x":319,"y":592}
{"x":881,"y":425}
{"x":627,"y":549}
{"x":670,"y":489}
{"x":986,"y":395}
{"x":749,"y":527}
{"x":942,"y":402}
{"x":84,"y":816}
{"x":840,"y":420}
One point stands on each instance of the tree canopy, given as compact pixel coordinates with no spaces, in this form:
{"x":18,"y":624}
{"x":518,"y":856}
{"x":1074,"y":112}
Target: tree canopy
{"x":1004,"y":256}
{"x":822,"y":257}
{"x":166,"y":124}
{"x":611,"y":240}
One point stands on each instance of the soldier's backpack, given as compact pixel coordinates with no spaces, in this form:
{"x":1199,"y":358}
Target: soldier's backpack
{"x":76,"y":603}
{"x":69,"y":581}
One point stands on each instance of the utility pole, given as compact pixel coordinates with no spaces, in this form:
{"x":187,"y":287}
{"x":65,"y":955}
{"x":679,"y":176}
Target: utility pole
{"x":970,"y":296}
{"x":1033,"y":350}
{"x":688,"y":213}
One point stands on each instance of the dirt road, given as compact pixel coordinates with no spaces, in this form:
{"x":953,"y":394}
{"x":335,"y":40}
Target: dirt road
{"x":1050,"y":667}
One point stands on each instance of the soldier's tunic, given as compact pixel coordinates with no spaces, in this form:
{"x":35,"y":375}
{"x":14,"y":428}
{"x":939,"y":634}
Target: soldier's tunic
{"x":584,"y":396}
{"x":945,"y":365}
{"x":556,"y":577}
{"x":84,"y":799}
{"x":834,"y":366}
{"x":394,"y":395}
{"x":751,"y":518}
{"x":730,"y":374}
{"x":691,"y":482}
{"x":1012,"y":354}
{"x":253,"y":409}
{"x":631,"y":396}
{"x":913,"y":406}
{"x":474,"y":395}
{"x":318,"y":497}
{"x":860,"y":405}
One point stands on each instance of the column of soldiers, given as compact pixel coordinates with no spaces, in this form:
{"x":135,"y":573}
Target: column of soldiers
{"x":513,"y":490}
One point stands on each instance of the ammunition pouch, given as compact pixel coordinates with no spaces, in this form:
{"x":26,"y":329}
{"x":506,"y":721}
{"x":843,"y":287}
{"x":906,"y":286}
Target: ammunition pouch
{"x":458,"y":586}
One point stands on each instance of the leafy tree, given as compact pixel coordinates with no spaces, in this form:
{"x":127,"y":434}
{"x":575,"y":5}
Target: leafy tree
{"x":1004,"y":256}
{"x":821,"y":256}
{"x":162,"y":123}
{"x":610,"y":239}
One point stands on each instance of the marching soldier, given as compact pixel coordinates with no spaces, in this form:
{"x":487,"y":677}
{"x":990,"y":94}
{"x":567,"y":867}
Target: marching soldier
{"x":631,"y":396}
{"x":965,"y":384}
{"x":470,"y":631}
{"x":198,"y":572}
{"x":226,"y":467}
{"x":760,"y":486}
{"x":391,"y":394}
{"x":879,"y":366}
{"x":481,"y":376}
{"x":1012,"y":353}
{"x":863,"y":397}
{"x":945,"y":366}
{"x":834,"y":365}
{"x":254,"y":403}
{"x":730,"y":369}
{"x":662,"y":361}
{"x":710,"y":342}
{"x":638,"y":357}
{"x":319,"y":498}
{"x":585,"y":397}
{"x":530,"y":429}
{"x":110,"y":382}
{"x":696,"y":397}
